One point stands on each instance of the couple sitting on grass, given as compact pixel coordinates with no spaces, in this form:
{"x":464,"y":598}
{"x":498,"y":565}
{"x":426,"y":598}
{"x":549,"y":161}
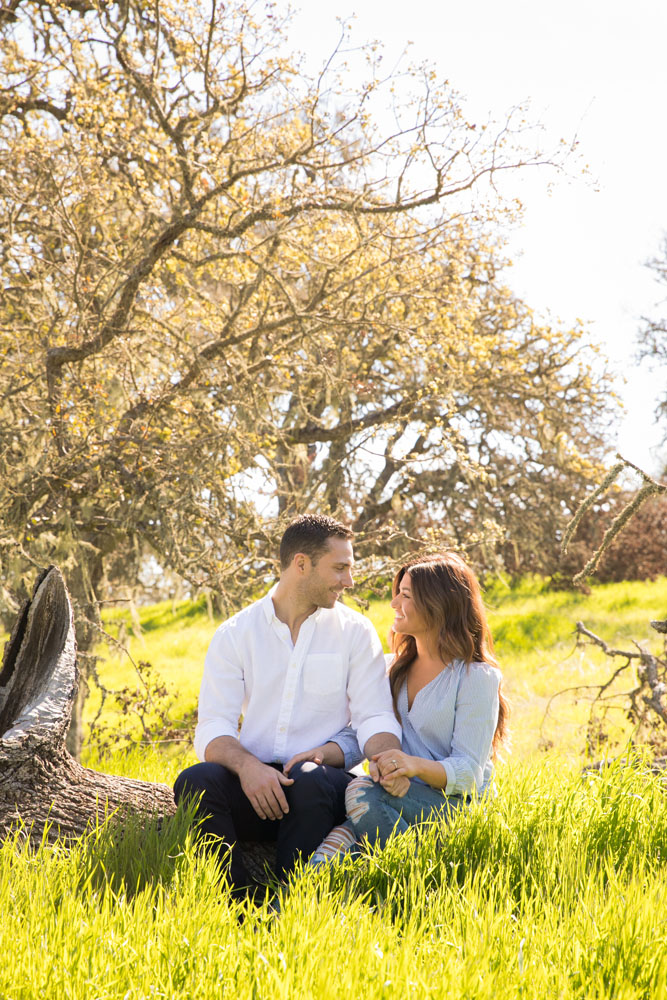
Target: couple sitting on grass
{"x":305,"y":671}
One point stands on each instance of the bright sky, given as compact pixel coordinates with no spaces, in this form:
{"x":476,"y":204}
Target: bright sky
{"x":592,"y":67}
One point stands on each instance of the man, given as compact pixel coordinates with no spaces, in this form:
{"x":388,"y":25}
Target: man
{"x":299,"y":666}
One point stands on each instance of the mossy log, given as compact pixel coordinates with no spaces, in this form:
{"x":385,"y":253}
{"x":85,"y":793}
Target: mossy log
{"x":41,"y":785}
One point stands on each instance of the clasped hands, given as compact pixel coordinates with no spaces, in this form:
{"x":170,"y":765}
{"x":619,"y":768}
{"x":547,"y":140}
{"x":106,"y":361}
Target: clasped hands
{"x":263,"y":785}
{"x":393,"y":769}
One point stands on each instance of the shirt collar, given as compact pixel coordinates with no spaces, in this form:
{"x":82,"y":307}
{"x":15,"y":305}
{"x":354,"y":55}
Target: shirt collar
{"x":267,"y":604}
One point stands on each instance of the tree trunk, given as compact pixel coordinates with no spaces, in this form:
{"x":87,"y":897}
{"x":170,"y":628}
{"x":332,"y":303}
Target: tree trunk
{"x":84,"y":588}
{"x":39,"y":780}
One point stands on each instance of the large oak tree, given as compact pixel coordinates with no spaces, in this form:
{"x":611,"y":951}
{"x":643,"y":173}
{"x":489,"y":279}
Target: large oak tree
{"x":226,"y":293}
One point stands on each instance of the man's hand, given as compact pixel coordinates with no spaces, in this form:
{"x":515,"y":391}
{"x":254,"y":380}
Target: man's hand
{"x":376,"y":745}
{"x":328,"y":753}
{"x":316,"y":755}
{"x":394,"y":770}
{"x":263,"y":785}
{"x":396,"y":786}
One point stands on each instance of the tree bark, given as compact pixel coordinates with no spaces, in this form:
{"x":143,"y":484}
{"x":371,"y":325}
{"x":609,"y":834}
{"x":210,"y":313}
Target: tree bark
{"x":84,"y":588}
{"x":40,"y":782}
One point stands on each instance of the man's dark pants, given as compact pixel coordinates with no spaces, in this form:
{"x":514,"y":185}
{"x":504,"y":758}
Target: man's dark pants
{"x":316,"y":804}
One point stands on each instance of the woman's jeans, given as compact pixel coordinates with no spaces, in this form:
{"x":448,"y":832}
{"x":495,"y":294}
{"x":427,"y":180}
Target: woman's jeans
{"x":375,"y":814}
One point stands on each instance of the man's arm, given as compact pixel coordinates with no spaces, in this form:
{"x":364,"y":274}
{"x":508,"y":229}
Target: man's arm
{"x":216,"y":737}
{"x":371,"y":706}
{"x":368,"y":691}
{"x":262,"y":785}
{"x":380,"y":742}
{"x":346,"y":740}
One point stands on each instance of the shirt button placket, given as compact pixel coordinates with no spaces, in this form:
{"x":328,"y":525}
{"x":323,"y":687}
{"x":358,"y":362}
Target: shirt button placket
{"x":286,"y":709}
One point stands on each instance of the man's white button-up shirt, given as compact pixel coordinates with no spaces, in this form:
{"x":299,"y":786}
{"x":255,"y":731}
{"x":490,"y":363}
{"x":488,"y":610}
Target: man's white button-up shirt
{"x":293,"y":697}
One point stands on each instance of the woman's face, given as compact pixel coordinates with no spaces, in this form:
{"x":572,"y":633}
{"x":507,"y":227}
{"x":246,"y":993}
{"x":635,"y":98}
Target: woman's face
{"x":407,"y":620}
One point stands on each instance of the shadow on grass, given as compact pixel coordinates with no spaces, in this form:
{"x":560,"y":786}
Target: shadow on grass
{"x":132,"y":853}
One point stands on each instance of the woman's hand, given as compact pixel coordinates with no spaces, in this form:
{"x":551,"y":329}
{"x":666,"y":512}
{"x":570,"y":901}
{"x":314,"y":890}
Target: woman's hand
{"x":396,"y":768}
{"x":396,"y":762}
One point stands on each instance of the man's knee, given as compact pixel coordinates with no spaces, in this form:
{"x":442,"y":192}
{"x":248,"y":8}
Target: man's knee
{"x":202,"y":780}
{"x":307,"y":770}
{"x":309,"y":778}
{"x":316,"y":786}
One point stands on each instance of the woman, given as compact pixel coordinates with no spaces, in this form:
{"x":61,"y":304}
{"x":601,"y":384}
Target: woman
{"x":445,"y":684}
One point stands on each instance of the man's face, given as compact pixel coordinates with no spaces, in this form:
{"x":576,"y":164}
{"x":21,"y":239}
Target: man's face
{"x":331,"y":574}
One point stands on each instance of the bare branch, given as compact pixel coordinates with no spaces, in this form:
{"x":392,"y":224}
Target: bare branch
{"x":649,"y":488}
{"x":589,"y":501}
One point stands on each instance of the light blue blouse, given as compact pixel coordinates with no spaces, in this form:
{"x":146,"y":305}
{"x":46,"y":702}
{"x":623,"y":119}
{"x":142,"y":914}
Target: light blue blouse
{"x":453,"y":720}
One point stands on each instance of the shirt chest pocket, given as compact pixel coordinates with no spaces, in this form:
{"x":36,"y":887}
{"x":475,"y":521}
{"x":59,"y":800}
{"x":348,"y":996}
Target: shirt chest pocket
{"x":323,"y":677}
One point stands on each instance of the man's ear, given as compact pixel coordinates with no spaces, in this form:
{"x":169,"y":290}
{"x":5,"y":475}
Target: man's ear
{"x":301,"y":562}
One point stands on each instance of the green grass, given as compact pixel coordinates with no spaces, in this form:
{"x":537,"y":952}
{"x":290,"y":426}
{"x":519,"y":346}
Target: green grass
{"x":554,"y":889}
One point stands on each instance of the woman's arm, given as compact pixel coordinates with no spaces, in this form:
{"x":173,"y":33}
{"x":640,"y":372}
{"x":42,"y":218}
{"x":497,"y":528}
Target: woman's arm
{"x":475,"y":718}
{"x":396,"y":764}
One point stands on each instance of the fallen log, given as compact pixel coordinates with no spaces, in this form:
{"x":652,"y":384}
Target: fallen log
{"x":41,"y":785}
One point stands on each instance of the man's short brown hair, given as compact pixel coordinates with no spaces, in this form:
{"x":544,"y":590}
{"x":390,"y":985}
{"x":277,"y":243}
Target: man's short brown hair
{"x":309,"y":533}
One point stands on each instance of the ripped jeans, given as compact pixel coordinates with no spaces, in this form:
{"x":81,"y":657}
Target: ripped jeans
{"x":373,"y":815}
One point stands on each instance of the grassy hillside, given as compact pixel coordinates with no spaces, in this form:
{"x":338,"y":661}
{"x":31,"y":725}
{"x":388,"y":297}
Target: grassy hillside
{"x":533,"y":630}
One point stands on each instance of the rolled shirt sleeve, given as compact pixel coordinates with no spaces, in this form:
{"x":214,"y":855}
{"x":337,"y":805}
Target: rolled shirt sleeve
{"x":371,"y":707}
{"x":475,"y":720}
{"x":347,"y":741}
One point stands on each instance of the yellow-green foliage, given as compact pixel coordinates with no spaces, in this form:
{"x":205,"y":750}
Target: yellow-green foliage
{"x":554,"y":889}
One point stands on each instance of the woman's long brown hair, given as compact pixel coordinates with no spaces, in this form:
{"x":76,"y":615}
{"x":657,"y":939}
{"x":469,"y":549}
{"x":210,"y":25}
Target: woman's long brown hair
{"x":448,"y":597}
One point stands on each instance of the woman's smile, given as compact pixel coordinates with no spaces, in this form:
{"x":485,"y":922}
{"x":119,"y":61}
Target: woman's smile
{"x":407,"y":618}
